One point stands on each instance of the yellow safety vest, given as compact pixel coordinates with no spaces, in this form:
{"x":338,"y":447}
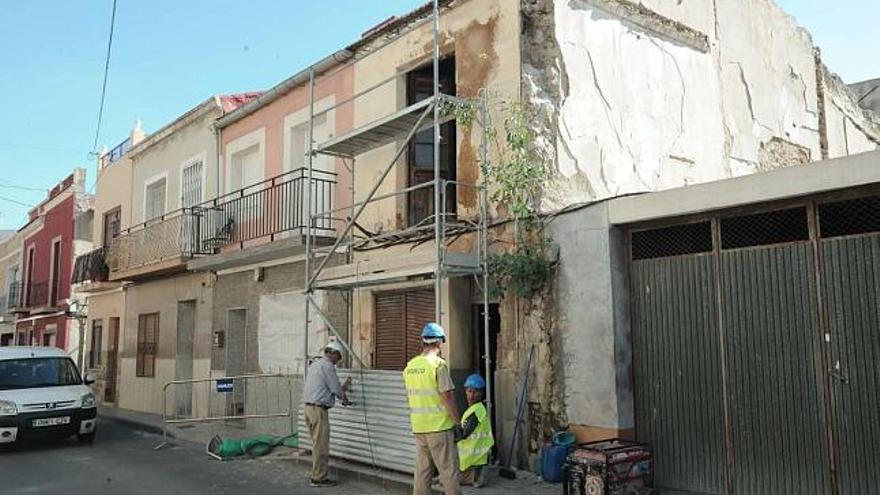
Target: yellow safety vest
{"x":426,"y":411}
{"x":474,"y":450}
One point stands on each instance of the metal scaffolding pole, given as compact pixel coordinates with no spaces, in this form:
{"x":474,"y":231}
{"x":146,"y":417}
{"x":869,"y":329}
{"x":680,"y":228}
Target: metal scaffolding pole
{"x":438,"y":270}
{"x":484,"y":250}
{"x":308,"y":197}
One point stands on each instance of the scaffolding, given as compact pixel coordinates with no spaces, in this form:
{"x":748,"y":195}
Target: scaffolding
{"x":399,"y":127}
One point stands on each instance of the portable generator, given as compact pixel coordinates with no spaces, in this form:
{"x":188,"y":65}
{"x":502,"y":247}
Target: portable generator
{"x":609,"y":467}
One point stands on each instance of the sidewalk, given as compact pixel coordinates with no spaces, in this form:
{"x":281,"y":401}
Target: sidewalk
{"x":526,"y":483}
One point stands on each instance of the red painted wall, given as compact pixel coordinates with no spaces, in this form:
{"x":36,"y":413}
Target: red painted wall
{"x":57,"y":221}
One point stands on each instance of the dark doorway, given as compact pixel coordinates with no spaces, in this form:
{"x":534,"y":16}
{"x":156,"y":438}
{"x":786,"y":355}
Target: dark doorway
{"x":183,"y":370}
{"x":420,"y":156}
{"x":112,"y":362}
{"x":480,"y":345}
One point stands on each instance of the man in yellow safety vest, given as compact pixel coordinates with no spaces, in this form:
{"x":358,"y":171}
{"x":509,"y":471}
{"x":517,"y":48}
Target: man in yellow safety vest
{"x":475,"y":439}
{"x":433,"y":414}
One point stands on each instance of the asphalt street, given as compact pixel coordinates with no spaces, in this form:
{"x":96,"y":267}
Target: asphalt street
{"x":122,"y":461}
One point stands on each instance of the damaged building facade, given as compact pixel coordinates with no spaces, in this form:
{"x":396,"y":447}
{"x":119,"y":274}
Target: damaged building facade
{"x":624,"y":98}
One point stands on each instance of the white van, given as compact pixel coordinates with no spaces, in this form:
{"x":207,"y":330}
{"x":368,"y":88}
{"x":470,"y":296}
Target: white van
{"x":43,"y":395}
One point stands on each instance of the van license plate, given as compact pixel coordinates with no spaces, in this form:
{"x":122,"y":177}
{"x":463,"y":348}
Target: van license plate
{"x":64,"y":420}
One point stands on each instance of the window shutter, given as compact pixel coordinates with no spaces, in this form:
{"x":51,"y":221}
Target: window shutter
{"x":400,"y":317}
{"x":419,"y":311}
{"x":390,"y":319}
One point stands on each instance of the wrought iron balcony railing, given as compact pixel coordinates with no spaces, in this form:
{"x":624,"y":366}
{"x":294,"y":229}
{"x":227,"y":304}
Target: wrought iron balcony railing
{"x":33,"y":295}
{"x":91,"y":267}
{"x":116,"y":153}
{"x":262,"y":210}
{"x":13,"y":297}
{"x":166,"y":237}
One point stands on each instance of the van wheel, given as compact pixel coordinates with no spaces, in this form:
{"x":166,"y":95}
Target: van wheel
{"x":87,"y":439}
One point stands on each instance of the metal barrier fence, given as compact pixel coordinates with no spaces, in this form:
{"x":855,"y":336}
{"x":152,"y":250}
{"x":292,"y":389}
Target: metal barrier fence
{"x":376,"y":429}
{"x":269,"y":400}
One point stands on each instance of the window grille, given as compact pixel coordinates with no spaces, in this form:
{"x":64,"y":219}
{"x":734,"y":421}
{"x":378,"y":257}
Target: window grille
{"x":850,"y":217}
{"x":677,"y":240}
{"x":774,"y":227}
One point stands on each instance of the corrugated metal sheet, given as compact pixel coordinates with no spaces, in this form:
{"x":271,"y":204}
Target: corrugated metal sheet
{"x":773,"y":364}
{"x":677,"y":375}
{"x":376,"y":430}
{"x":851,"y":281}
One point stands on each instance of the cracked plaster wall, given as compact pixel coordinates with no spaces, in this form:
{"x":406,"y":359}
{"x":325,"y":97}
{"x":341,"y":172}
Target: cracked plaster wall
{"x":641,"y":109}
{"x":628,"y":100}
{"x":851,"y":129}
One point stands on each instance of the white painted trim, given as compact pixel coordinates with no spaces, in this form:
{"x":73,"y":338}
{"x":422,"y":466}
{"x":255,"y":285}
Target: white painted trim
{"x":301,"y":116}
{"x":152,"y":180}
{"x":200,"y":157}
{"x":242,"y":143}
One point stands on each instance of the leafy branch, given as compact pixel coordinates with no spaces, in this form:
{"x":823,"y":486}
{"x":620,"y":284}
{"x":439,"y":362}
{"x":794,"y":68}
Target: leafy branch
{"x":515,"y":177}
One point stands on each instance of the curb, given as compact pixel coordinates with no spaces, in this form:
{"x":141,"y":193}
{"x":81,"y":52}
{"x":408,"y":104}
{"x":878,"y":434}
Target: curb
{"x":135,"y":424}
{"x":392,"y":482}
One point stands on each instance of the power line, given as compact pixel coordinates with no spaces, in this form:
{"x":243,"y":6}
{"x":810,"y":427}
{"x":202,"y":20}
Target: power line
{"x":40,"y":148}
{"x":22,"y":188}
{"x":106,"y":71}
{"x":15,"y":201}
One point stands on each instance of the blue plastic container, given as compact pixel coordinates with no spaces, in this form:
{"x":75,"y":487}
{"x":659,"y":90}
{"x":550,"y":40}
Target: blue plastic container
{"x":553,"y":456}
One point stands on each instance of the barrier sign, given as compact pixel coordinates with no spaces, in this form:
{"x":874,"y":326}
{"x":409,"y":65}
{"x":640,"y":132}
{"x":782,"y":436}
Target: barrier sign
{"x":224,"y":385}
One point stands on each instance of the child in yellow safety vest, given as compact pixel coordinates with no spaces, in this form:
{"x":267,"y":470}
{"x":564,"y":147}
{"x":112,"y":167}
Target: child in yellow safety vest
{"x":474,"y":436}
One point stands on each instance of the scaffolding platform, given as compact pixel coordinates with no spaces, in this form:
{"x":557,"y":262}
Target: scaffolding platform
{"x":384,"y":271}
{"x":394,"y":127}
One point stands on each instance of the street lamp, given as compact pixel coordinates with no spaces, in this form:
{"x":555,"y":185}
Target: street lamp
{"x":77,"y":309}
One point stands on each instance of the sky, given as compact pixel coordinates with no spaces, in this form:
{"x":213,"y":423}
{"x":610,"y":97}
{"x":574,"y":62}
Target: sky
{"x":170,"y":55}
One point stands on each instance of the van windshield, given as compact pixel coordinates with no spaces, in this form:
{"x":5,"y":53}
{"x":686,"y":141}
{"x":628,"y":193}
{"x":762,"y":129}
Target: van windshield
{"x":38,"y":372}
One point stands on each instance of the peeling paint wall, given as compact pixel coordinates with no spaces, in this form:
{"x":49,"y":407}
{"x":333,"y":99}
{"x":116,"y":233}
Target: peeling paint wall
{"x":646,"y":95}
{"x":851,"y":129}
{"x":483,"y":35}
{"x":633,"y":96}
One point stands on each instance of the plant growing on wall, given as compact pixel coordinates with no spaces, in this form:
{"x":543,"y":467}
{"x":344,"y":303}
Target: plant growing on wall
{"x":514,"y":173}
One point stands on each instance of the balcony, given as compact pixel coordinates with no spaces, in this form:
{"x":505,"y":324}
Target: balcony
{"x":91,"y":273}
{"x":34,"y":297}
{"x":258,"y":214}
{"x":158,"y":246}
{"x":6,"y":314}
{"x":116,"y":153}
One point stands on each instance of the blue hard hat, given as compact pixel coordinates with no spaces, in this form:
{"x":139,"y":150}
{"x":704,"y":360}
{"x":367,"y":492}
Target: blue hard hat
{"x":432,"y":332}
{"x":475,"y":381}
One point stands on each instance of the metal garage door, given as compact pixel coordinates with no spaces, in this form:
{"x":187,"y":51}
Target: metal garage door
{"x":850,"y":261}
{"x":736,"y":318}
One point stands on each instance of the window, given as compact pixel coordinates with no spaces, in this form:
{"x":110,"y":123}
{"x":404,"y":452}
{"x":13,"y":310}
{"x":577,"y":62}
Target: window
{"x":420,"y":85}
{"x":112,"y":226}
{"x":147,"y":344}
{"x":299,"y":144}
{"x":95,"y":344}
{"x":17,"y":374}
{"x":154,"y":199}
{"x":55,"y":276}
{"x":400,"y":317}
{"x":191,"y":185}
{"x":246,"y":169}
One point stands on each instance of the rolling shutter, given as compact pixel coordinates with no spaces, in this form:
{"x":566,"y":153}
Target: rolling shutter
{"x":400,"y":317}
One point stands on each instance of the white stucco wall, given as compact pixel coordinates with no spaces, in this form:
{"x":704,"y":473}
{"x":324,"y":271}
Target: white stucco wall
{"x":667,"y":93}
{"x":652,"y":95}
{"x":640,"y":114}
